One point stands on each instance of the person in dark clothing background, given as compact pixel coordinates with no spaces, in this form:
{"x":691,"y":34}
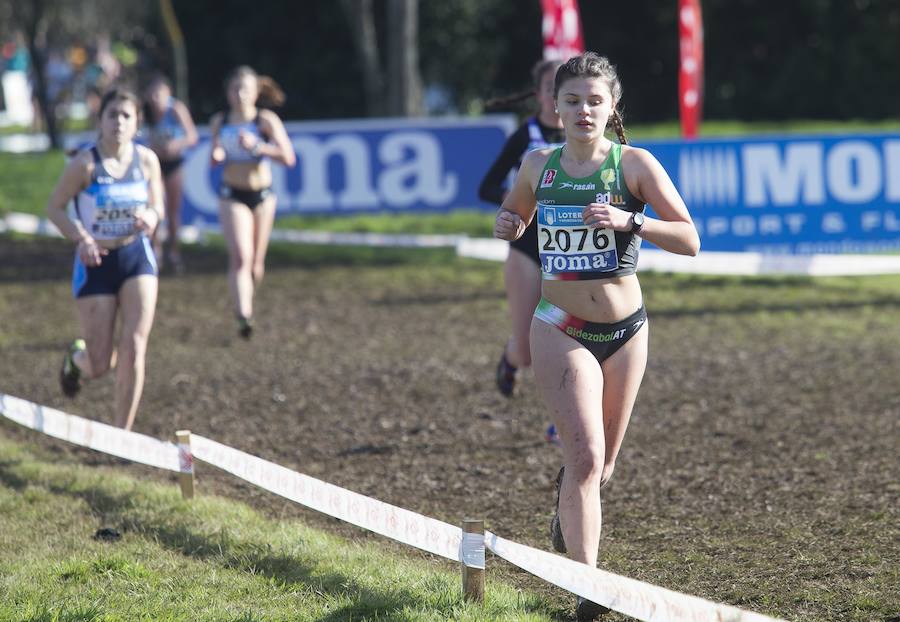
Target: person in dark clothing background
{"x":522,"y":272}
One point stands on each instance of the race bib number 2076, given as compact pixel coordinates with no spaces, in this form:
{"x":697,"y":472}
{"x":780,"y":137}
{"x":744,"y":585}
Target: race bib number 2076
{"x":566,"y":244}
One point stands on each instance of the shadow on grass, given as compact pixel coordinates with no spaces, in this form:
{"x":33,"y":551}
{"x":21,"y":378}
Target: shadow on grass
{"x":248,"y":557}
{"x":10,"y":479}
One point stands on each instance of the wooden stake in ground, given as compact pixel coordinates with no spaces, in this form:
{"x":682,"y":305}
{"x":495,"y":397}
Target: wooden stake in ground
{"x":186,"y":459}
{"x":473,"y":560}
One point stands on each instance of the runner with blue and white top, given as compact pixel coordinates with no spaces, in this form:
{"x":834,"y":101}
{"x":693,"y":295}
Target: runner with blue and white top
{"x":117,"y":193}
{"x":589,"y":334}
{"x":107,"y":209}
{"x":170,"y":132}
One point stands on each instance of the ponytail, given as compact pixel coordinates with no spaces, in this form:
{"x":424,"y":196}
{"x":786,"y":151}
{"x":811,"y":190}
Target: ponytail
{"x":537,"y":73}
{"x":270,"y":93}
{"x":502,"y":103}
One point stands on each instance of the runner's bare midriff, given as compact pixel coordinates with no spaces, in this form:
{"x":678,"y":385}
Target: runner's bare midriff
{"x":117,"y":242}
{"x":247,"y":175}
{"x":603,"y":300}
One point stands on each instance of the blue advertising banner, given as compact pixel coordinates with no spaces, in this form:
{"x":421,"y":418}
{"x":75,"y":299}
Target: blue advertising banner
{"x":372,"y":165}
{"x":798,"y":195}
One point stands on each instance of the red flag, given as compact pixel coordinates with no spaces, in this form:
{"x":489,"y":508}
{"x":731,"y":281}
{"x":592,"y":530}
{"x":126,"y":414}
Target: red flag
{"x":690,"y":74}
{"x":562,"y":29}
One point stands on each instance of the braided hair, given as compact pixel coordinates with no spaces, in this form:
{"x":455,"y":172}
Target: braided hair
{"x":537,"y":72}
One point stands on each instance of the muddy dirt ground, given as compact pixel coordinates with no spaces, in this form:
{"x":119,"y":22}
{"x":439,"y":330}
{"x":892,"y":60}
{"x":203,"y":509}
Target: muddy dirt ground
{"x":760,"y":467}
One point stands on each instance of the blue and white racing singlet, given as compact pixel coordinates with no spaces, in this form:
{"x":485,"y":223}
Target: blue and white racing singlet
{"x":230,"y":139}
{"x":167,"y":128}
{"x":107,"y":206}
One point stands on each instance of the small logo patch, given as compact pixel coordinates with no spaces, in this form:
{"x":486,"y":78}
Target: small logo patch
{"x":608,"y":176}
{"x":549,"y":176}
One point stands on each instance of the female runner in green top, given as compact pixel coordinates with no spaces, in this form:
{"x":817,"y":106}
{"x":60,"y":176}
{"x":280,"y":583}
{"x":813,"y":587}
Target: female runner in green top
{"x":589,"y":334}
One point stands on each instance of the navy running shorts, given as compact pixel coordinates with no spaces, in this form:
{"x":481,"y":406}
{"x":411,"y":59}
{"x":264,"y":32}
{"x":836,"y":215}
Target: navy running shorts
{"x":134,"y":259}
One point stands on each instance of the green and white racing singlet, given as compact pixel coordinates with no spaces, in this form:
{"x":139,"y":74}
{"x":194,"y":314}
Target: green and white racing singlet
{"x":569,"y":249}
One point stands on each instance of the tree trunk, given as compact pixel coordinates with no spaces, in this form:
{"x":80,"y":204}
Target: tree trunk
{"x":404,"y":80}
{"x":179,"y":52}
{"x":32,"y":24}
{"x":360,"y":15}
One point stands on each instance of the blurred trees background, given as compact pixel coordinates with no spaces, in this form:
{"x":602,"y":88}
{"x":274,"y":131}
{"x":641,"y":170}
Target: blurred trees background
{"x":68,"y":38}
{"x":765,"y":60}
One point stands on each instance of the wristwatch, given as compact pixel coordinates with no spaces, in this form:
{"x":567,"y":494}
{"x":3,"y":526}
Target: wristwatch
{"x":637,"y":221}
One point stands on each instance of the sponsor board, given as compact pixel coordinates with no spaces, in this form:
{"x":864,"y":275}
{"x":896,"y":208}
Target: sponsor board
{"x":798,"y":195}
{"x":346,"y":167}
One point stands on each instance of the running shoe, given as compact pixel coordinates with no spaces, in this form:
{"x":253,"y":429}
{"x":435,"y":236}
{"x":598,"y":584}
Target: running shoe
{"x":556,"y":534}
{"x":552,"y":435}
{"x":70,"y":374}
{"x":245,"y":327}
{"x":506,"y":376}
{"x":589,"y":611}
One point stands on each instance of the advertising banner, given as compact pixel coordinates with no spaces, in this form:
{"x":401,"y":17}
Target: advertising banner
{"x":369,"y":165}
{"x":797,"y":195}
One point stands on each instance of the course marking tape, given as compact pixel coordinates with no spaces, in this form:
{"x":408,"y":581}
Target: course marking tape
{"x":634,"y":598}
{"x":388,"y":520}
{"x":714,"y":262}
{"x":707,"y":262}
{"x":192,"y":234}
{"x":92,"y":434}
{"x":392,"y":240}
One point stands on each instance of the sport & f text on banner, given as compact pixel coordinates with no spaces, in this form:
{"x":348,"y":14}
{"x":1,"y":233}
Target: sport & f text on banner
{"x":803,"y":195}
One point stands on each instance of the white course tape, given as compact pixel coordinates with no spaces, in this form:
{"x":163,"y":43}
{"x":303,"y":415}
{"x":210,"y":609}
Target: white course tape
{"x":713,"y":262}
{"x":33,"y":225}
{"x":708,"y":262}
{"x":92,"y":434}
{"x":30,"y":224}
{"x":365,"y":239}
{"x":748,"y":264}
{"x":634,"y":598}
{"x":489,"y":249}
{"x":388,"y":520}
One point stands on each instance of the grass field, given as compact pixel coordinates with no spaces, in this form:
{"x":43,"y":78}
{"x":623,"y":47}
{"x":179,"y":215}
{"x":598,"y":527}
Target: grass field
{"x":209,"y":559}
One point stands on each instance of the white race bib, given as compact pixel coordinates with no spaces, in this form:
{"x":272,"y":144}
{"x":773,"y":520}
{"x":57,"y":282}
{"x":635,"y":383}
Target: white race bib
{"x":114,"y":208}
{"x":566,"y":244}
